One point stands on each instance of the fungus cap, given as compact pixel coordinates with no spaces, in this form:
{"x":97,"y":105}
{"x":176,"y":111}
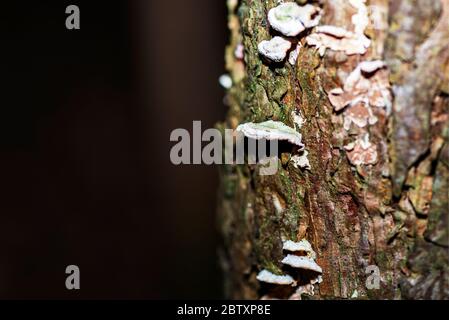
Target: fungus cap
{"x":300,"y":262}
{"x":371,"y":66}
{"x":302,"y":245}
{"x":271,"y":130}
{"x":285,"y":18}
{"x":333,"y":31}
{"x":275,"y":49}
{"x":269,"y":277}
{"x":290,"y":19}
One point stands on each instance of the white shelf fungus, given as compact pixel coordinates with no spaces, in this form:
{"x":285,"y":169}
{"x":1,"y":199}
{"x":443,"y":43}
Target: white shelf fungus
{"x":310,"y":16}
{"x":301,"y":246}
{"x":268,"y":277}
{"x":295,"y":261}
{"x":275,"y":49}
{"x":337,"y":32}
{"x":290,"y":19}
{"x":301,"y":262}
{"x":271,"y":130}
{"x":371,"y":66}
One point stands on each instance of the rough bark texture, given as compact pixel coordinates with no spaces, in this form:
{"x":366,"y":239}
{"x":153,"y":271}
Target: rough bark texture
{"x":392,"y":214}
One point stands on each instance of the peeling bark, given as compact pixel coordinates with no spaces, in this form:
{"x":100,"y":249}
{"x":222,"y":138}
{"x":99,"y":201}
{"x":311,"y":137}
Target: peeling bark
{"x":391,"y":212}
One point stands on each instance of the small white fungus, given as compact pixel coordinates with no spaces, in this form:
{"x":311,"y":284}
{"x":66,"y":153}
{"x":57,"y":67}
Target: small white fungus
{"x":290,"y":19}
{"x":371,"y":66}
{"x":285,"y":18}
{"x":271,"y":130}
{"x":301,"y":262}
{"x":269,"y":277}
{"x":275,"y":49}
{"x":301,"y":246}
{"x":333,"y":31}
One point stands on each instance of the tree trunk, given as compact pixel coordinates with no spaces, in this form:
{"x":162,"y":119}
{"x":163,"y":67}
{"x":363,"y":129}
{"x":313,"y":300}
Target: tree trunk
{"x":383,"y":206}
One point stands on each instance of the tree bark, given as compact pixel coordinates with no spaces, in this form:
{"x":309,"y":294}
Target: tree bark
{"x":393,"y":213}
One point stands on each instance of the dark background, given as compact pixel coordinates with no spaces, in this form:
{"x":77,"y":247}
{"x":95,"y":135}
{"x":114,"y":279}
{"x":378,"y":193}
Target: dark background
{"x":85,"y":173}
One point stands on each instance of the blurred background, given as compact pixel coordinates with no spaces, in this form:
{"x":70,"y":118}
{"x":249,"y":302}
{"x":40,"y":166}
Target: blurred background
{"x":85,"y":173}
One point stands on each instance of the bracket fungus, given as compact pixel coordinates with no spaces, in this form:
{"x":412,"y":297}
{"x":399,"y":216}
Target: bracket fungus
{"x":362,"y":151}
{"x":301,"y":246}
{"x":269,"y":277}
{"x":271,"y":130}
{"x":337,"y":32}
{"x":301,"y":262}
{"x":307,"y":278}
{"x":305,"y":262}
{"x":371,"y":66}
{"x":290,"y":19}
{"x":275,"y":49}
